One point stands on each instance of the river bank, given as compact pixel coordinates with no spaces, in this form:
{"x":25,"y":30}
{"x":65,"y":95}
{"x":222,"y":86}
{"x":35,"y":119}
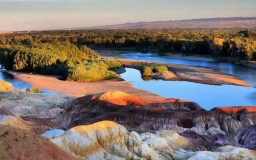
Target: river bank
{"x":78,"y":89}
{"x":192,"y":74}
{"x":184,"y":73}
{"x":191,"y":78}
{"x":118,"y":54}
{"x":178,"y":56}
{"x":250,"y":64}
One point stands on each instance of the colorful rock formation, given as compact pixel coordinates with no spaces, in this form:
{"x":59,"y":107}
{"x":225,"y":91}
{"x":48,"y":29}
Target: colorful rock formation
{"x":117,"y":125}
{"x":109,"y":140}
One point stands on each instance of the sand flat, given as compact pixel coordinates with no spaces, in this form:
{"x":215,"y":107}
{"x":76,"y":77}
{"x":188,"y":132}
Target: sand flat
{"x":184,"y":73}
{"x":81,"y":88}
{"x":194,"y":74}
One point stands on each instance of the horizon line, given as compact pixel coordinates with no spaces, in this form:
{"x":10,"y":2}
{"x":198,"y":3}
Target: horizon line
{"x":90,"y":27}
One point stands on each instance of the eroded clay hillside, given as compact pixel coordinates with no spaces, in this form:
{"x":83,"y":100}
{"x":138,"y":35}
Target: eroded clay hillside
{"x":117,"y":125}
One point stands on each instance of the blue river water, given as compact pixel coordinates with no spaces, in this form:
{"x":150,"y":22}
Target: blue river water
{"x":247,"y":74}
{"x":207,"y":96}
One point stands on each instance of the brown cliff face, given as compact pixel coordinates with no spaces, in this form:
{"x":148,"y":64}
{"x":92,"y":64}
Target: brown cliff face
{"x":204,"y":130}
{"x":207,"y":129}
{"x":124,"y":99}
{"x":20,"y":144}
{"x":143,"y":115}
{"x":128,"y":110}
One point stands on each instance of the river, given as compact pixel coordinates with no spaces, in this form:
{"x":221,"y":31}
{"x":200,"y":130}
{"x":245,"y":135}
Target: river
{"x":247,"y":74}
{"x":207,"y":96}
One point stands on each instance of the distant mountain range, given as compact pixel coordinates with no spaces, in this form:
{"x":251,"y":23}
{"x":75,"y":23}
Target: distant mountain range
{"x":231,"y":22}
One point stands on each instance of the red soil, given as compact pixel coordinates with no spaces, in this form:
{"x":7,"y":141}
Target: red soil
{"x":18,"y":144}
{"x":124,"y":99}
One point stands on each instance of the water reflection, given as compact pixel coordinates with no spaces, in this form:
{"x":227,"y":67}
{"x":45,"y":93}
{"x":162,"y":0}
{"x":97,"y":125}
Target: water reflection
{"x":252,"y":96}
{"x":207,"y":96}
{"x":247,"y":74}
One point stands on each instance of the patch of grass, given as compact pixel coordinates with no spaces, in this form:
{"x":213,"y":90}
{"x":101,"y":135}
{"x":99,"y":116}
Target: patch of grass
{"x":34,"y":90}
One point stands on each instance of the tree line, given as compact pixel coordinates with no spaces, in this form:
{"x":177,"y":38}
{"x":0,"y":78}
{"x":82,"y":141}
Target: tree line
{"x":65,"y":59}
{"x":238,"y":44}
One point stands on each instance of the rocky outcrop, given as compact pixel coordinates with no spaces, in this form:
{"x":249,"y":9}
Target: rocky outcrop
{"x":209,"y":129}
{"x":225,"y":152}
{"x":109,"y":140}
{"x":18,"y":144}
{"x":237,"y":109}
{"x":124,"y":99}
{"x":236,"y":117}
{"x":34,"y":112}
{"x":246,"y":136}
{"x":41,"y":113}
{"x":144,"y":128}
{"x":133,"y":112}
{"x":26,"y":104}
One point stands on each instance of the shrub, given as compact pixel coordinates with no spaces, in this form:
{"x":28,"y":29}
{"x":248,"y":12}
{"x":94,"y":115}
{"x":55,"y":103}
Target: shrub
{"x":146,"y":71}
{"x":160,"y":69}
{"x":113,"y":63}
{"x":147,"y":78}
{"x":94,"y":71}
{"x":34,"y":90}
{"x":5,"y":86}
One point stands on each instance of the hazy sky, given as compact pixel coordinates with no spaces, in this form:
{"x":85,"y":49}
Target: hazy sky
{"x":53,"y":14}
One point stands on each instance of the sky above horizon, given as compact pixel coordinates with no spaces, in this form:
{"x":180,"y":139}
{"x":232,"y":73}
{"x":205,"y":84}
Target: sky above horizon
{"x":55,"y":14}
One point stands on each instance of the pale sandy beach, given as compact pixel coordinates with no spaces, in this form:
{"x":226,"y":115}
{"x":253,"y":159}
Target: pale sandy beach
{"x":81,"y":88}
